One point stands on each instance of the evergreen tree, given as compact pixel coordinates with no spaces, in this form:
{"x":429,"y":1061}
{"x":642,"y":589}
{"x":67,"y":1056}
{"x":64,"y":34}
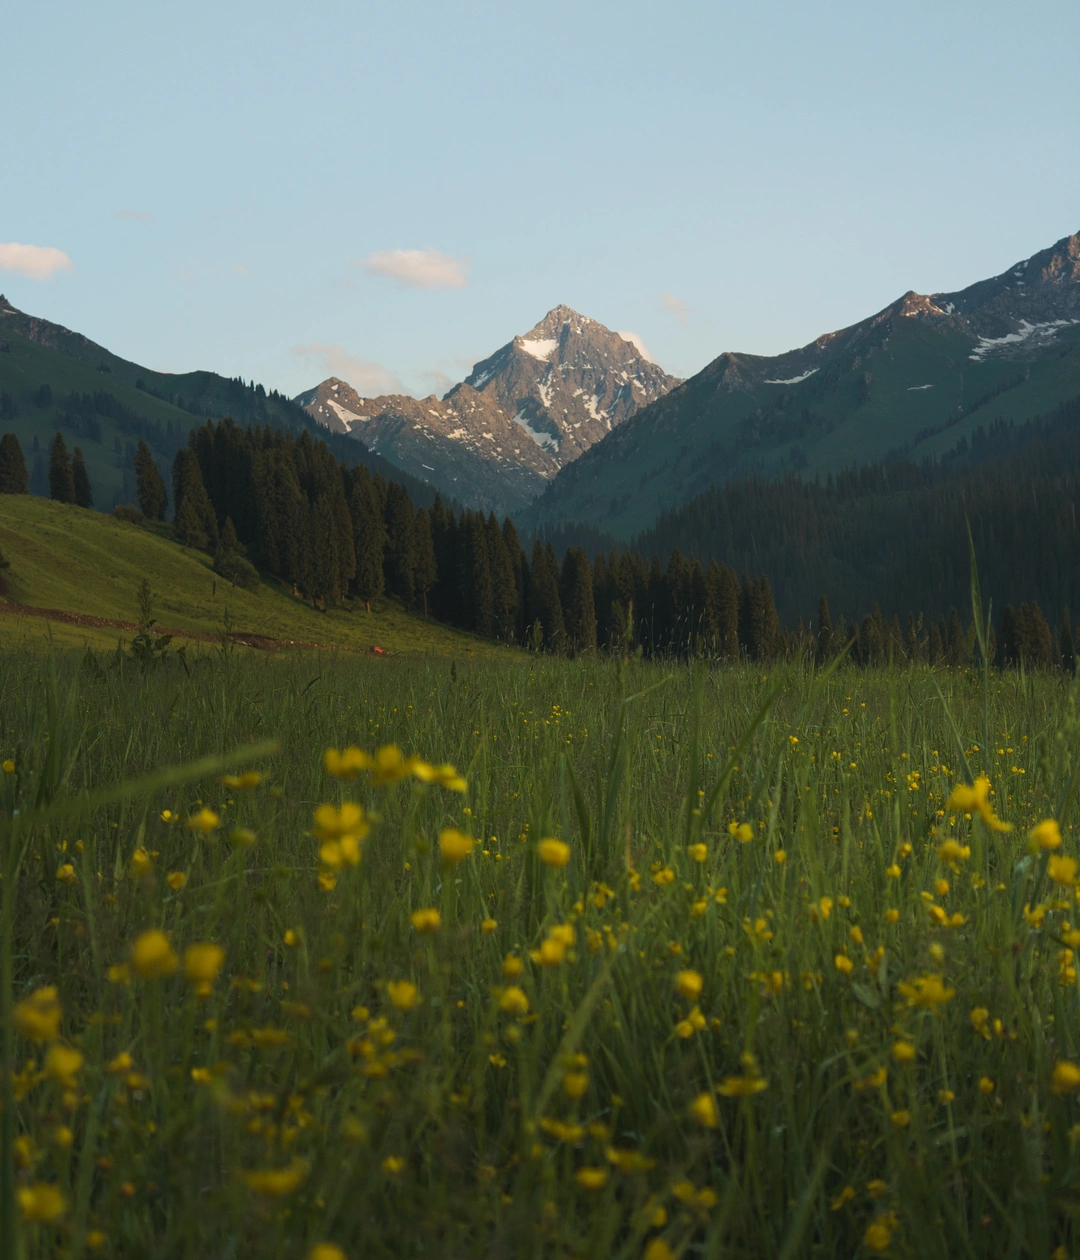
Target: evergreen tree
{"x":400,"y":543}
{"x":194,"y":523}
{"x":426,"y":570}
{"x":13,"y":466}
{"x":13,"y":475}
{"x":230,"y":558}
{"x":545,"y":606}
{"x":479,"y":587}
{"x":61,"y":481}
{"x":80,"y":481}
{"x":151,"y":489}
{"x":325,"y":574}
{"x":369,"y":540}
{"x":503,"y":583}
{"x":576,"y":596}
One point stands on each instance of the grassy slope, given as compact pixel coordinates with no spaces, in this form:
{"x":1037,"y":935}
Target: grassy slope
{"x":703,"y":439}
{"x":66,"y":558}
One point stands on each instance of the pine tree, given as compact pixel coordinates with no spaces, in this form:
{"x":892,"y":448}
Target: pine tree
{"x":503,"y":583}
{"x":195,"y":523}
{"x":426,"y":571}
{"x":61,"y":482}
{"x":13,"y":475}
{"x":230,"y":558}
{"x":400,"y":543}
{"x":545,"y":607}
{"x":80,"y":481}
{"x":151,"y":489}
{"x":369,"y":540}
{"x":326,"y":581}
{"x":576,"y":596}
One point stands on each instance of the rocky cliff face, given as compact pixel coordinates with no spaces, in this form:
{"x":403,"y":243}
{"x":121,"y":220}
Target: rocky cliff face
{"x":495,"y":440}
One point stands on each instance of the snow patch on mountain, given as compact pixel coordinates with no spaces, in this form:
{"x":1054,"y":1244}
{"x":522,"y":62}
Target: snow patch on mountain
{"x":1026,"y":331}
{"x":794,"y":380}
{"x":544,"y":440}
{"x":539,"y":349}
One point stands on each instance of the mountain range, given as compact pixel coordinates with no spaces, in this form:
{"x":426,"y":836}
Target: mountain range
{"x":914,"y":379}
{"x":530,"y":409}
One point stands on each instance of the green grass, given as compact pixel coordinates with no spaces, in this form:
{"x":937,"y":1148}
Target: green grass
{"x":458,"y":1127}
{"x":66,"y":558}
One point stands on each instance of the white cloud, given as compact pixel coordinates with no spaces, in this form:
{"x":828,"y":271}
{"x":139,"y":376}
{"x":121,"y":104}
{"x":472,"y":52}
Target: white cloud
{"x":417,"y":268}
{"x":37,"y":262}
{"x":436,"y":382}
{"x":133,"y":216}
{"x":674,"y":306}
{"x":368,"y":379}
{"x":638,"y":344}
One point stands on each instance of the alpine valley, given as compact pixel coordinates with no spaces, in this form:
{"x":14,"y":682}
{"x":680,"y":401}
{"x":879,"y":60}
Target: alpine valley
{"x":529,"y":410}
{"x":913,"y":381}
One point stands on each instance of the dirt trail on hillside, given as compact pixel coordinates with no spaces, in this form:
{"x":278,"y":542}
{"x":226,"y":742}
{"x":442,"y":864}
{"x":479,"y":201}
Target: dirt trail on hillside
{"x":261,"y":641}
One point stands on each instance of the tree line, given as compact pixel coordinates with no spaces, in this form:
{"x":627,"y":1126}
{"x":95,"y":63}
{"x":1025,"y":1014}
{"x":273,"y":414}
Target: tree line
{"x":260,"y":498}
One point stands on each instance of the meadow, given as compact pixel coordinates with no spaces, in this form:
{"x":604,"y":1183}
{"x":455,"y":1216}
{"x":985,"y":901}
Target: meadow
{"x":316,"y":956}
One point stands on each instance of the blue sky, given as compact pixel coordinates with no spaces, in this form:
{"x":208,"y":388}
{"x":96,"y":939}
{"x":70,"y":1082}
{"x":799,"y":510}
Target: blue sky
{"x":391,"y":191}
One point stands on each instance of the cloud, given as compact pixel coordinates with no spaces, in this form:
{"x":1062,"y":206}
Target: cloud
{"x":417,"y":268}
{"x":133,"y":216}
{"x":37,"y":262}
{"x":238,"y":269}
{"x":674,"y":306}
{"x":437,"y":382}
{"x":368,"y":379}
{"x":638,"y":344}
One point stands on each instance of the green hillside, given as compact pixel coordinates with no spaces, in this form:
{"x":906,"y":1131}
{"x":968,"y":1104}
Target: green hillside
{"x":77,"y":561}
{"x":104,"y":404}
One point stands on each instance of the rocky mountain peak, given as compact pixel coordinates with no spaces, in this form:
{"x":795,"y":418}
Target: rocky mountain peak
{"x":537,"y":403}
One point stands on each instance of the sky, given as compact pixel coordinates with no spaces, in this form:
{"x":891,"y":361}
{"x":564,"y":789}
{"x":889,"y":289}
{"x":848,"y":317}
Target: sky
{"x":390,"y":192}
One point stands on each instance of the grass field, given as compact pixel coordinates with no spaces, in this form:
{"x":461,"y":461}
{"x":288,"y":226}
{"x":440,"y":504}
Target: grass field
{"x":66,"y":558}
{"x":783,"y":993}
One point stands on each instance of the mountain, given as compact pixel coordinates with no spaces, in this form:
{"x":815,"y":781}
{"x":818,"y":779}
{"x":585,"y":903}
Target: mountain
{"x":52,"y":378}
{"x":910,"y":381}
{"x":534,"y":406}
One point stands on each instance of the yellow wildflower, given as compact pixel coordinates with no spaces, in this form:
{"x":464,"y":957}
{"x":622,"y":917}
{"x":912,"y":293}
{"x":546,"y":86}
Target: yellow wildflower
{"x":392,"y":1165}
{"x":879,"y":1233}
{"x":951,"y":852}
{"x":205,"y":821}
{"x":892,"y":915}
{"x":1047,"y":835}
{"x":426,"y":920}
{"x":326,"y":1251}
{"x":333,"y":824}
{"x":512,"y":966}
{"x":688,"y":984}
{"x":929,"y":992}
{"x":553,"y":852}
{"x":121,"y":1064}
{"x":575,"y":1084}
{"x":699,"y":852}
{"x":403,"y":994}
{"x":201,"y":966}
{"x":176,"y":880}
{"x":242,"y":782}
{"x":657,"y":1249}
{"x":742,"y":832}
{"x":347,"y":763}
{"x":703,"y":1110}
{"x":1062,"y":870}
{"x":9,"y":766}
{"x":454,"y":845}
{"x":65,"y":874}
{"x":976,"y":800}
{"x":37,"y":1017}
{"x":489,"y":925}
{"x":903,"y":1052}
{"x":152,"y":956}
{"x":1065,"y":1078}
{"x":591,"y":1178}
{"x":276,"y":1182}
{"x":843,"y":964}
{"x":242,"y":838}
{"x":901,"y":1119}
{"x":141,"y":862}
{"x":42,"y":1202}
{"x":513,"y":1001}
{"x":986,"y":1085}
{"x":62,"y":1064}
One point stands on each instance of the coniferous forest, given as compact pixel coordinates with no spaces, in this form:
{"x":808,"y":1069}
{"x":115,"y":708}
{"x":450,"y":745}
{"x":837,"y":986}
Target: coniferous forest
{"x":875,"y":560}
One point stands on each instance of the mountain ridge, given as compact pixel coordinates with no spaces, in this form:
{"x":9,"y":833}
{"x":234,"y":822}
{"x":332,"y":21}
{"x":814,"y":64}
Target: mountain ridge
{"x":496,"y":438}
{"x":912,"y":378}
